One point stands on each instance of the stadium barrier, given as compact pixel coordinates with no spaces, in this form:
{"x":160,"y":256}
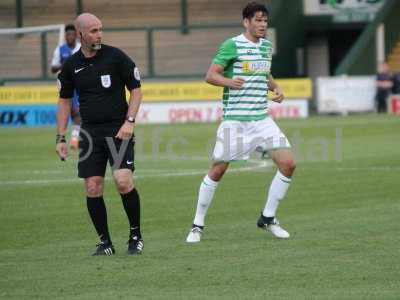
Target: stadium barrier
{"x":163,"y":102}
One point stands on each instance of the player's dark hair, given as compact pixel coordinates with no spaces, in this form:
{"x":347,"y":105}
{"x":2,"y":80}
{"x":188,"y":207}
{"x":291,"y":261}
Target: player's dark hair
{"x":252,"y":8}
{"x":69,"y":27}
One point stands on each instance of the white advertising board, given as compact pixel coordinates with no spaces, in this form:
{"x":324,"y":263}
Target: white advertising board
{"x":332,"y":7}
{"x":345,"y":94}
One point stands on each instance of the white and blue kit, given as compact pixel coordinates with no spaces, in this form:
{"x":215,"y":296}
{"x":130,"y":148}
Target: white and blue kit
{"x":60,"y":55}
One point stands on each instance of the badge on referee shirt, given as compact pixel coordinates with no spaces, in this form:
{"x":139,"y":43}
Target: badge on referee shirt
{"x":136,"y":74}
{"x":106,"y":81}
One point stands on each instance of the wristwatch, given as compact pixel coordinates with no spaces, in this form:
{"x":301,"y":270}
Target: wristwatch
{"x":130,"y":119}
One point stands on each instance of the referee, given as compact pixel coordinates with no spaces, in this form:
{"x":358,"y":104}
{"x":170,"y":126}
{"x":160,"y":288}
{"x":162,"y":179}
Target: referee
{"x":100,"y":73}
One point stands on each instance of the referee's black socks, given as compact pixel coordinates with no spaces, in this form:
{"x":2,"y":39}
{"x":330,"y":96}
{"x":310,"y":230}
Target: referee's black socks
{"x":98,"y":214}
{"x":131,"y":203}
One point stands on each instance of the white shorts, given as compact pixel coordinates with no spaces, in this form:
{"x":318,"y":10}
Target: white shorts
{"x":236,"y":140}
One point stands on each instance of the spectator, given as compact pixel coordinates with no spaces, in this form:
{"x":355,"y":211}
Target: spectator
{"x":384,"y":84}
{"x":396,"y":83}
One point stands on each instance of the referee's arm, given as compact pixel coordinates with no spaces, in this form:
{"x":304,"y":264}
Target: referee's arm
{"x":64,"y":110}
{"x":131,"y":77}
{"x":126,"y":131}
{"x":134,"y":102}
{"x":63,"y":114}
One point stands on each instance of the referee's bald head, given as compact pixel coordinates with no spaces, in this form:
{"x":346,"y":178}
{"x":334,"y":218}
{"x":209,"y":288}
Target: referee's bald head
{"x":86,"y":20}
{"x":90,"y":31}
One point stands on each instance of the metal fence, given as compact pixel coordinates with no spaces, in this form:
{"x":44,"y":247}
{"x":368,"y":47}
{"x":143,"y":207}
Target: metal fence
{"x":160,"y":52}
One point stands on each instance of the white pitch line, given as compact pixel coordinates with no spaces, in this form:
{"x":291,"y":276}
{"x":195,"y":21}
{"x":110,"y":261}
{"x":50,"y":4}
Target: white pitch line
{"x":379,"y":168}
{"x":259,"y":165}
{"x":35,"y":172}
{"x":262,"y":164}
{"x":156,"y":173}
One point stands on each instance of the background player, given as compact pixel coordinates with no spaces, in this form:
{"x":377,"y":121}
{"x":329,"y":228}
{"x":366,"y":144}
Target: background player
{"x":60,"y":55}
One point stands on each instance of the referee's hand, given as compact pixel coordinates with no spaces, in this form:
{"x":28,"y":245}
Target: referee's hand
{"x":126,"y":131}
{"x":62,"y":150}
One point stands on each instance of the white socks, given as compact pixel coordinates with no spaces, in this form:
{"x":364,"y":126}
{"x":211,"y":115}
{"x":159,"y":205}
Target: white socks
{"x":206,"y":194}
{"x":277,"y":191}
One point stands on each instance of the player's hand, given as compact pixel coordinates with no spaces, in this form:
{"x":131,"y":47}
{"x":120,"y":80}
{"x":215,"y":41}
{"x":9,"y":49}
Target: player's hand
{"x":236,"y":83}
{"x":277,"y":95}
{"x":126,"y":131}
{"x":62,"y":150}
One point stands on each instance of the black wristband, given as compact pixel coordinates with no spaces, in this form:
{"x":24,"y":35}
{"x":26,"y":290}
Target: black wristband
{"x":130,"y":119}
{"x":60,"y":139}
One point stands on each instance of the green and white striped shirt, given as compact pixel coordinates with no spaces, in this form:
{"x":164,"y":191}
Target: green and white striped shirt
{"x":252,"y":62}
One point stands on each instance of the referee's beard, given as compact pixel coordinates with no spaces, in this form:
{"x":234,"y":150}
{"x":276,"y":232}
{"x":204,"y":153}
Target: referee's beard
{"x":96,"y":46}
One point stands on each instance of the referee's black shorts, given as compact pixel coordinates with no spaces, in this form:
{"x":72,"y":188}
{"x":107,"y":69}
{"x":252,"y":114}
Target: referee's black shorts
{"x":99,"y":146}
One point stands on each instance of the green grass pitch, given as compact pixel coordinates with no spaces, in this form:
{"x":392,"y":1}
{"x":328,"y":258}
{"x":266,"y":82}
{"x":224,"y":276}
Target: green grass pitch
{"x":342,"y":211}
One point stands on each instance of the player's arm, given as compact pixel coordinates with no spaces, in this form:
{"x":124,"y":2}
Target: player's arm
{"x":126,"y":131}
{"x":385,"y":84}
{"x":225,"y":56}
{"x":215,"y":76}
{"x":55,"y":69}
{"x":278,"y":95}
{"x":55,"y":62}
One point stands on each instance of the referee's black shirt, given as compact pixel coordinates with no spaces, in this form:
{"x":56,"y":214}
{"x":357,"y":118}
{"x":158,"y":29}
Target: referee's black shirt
{"x":100,"y":84}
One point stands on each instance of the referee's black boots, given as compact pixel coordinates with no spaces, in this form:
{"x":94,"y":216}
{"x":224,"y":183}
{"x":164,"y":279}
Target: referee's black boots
{"x":135,"y":245}
{"x":104,"y":248}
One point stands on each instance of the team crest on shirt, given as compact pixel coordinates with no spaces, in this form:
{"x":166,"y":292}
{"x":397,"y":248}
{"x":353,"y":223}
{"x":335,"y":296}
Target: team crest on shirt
{"x":106,"y":81}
